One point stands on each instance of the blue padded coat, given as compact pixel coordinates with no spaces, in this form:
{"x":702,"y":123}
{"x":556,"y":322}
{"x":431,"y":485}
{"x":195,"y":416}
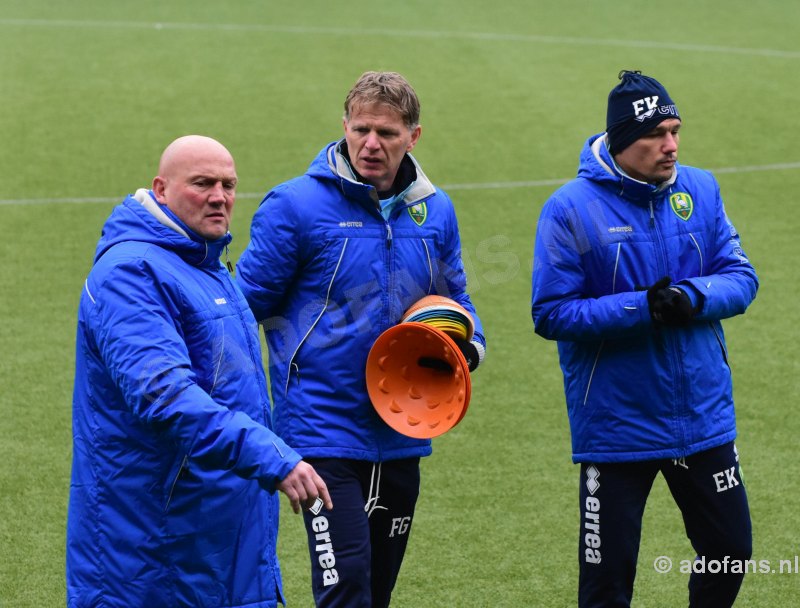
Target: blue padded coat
{"x":326,"y":274}
{"x":172,"y":499}
{"x":636,"y":391}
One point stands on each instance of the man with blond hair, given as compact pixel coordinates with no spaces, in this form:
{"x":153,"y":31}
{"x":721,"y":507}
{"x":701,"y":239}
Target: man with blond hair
{"x":336,"y":256}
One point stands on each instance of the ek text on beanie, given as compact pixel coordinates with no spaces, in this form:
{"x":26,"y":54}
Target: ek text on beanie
{"x":636,"y":106}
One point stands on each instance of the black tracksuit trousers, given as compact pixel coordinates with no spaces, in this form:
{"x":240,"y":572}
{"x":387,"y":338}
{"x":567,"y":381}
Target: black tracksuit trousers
{"x":357,"y":548}
{"x":707,"y":488}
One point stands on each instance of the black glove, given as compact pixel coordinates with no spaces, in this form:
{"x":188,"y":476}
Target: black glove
{"x":470,"y":352}
{"x":468,"y":349}
{"x":669,"y":306}
{"x":440,"y":365}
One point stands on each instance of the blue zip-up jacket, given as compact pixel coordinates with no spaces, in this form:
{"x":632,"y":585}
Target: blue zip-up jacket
{"x":326,"y":274}
{"x":636,"y":391}
{"x":172,"y":499}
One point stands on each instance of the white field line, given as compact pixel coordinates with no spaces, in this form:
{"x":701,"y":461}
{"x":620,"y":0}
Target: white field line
{"x":383,"y":33}
{"x":447,"y":187}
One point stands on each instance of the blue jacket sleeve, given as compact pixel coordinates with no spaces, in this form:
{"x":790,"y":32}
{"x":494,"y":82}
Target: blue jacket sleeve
{"x":138,"y":335}
{"x":560,"y":305}
{"x":270,"y":260}
{"x":729,"y":282}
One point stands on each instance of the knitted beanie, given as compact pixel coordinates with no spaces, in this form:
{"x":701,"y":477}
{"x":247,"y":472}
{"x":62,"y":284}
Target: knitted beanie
{"x":636,"y":106}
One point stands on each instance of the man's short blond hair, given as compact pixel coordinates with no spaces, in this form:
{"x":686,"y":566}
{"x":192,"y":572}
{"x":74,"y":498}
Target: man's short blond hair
{"x":388,"y":88}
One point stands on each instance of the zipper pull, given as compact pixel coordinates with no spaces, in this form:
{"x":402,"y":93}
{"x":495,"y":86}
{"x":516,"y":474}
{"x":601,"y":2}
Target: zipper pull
{"x":652,"y":215}
{"x":228,"y":260}
{"x":388,"y":236}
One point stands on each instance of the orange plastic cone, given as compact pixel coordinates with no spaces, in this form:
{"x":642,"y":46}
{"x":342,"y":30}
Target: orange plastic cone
{"x":418,"y":380}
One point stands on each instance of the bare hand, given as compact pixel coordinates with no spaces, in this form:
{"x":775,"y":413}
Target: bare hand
{"x":303,"y":486}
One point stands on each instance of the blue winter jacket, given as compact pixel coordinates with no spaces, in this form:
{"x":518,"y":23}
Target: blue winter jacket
{"x":326,"y":274}
{"x":636,"y":391}
{"x":174,"y":468}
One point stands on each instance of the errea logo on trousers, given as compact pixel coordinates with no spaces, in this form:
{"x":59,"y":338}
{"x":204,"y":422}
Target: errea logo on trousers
{"x":324,"y":550}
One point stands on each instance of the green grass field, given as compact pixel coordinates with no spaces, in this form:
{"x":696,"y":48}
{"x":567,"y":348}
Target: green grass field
{"x":92,"y":91}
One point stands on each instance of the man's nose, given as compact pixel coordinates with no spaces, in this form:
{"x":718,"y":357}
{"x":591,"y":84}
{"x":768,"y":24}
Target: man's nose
{"x":217,"y":194}
{"x":372,"y":141}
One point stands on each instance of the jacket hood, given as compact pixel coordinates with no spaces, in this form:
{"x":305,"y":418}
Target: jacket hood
{"x":597,"y":165}
{"x":141,"y":218}
{"x":331,"y":164}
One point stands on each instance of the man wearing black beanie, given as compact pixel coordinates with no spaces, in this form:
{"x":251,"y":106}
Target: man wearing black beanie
{"x":636,"y":264}
{"x":636,"y":106}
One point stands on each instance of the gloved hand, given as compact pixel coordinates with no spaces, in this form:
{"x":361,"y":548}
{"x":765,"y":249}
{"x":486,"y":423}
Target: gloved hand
{"x":470,"y":352}
{"x":669,"y":305}
{"x":467,"y":348}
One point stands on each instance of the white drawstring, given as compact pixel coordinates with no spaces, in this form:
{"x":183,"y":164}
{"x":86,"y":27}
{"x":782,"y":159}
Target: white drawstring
{"x":372,"y":501}
{"x":680,"y":462}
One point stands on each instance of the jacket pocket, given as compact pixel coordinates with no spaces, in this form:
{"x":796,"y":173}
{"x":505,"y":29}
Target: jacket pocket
{"x":294,"y":367}
{"x":591,"y":373}
{"x":723,"y":349}
{"x":175,"y":478}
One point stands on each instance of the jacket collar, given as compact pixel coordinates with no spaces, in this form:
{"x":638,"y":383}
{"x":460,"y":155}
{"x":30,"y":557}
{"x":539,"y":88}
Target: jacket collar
{"x":598,"y":165}
{"x":141,"y":218}
{"x":411,"y":180}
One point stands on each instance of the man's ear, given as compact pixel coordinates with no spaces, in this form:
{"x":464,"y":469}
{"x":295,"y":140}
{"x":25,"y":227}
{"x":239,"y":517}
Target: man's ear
{"x":159,"y":186}
{"x":414,"y":138}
